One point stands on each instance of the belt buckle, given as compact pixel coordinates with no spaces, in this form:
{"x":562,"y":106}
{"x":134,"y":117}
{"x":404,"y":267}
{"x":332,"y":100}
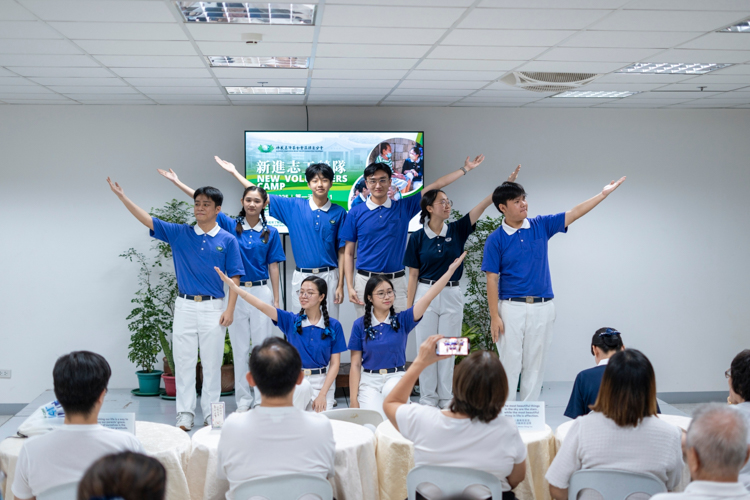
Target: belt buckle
{"x":248,"y":284}
{"x":197,"y":298}
{"x":529,"y":300}
{"x":307,"y":372}
{"x":383,"y":371}
{"x":315,"y":271}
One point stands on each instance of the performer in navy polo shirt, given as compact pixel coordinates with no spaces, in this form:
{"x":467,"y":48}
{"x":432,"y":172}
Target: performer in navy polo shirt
{"x":314,"y":225}
{"x":428,"y":255}
{"x":199,"y":319}
{"x":519,"y":288}
{"x":380,"y":227}
{"x":261,"y":252}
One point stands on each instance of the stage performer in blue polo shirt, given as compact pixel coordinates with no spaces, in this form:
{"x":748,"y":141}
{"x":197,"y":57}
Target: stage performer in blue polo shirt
{"x":428,"y":255}
{"x":200,"y":316}
{"x":519,"y":288}
{"x":261,"y":252}
{"x":379,"y":227}
{"x":314,"y":229}
{"x":318,"y":338}
{"x":378,"y":339}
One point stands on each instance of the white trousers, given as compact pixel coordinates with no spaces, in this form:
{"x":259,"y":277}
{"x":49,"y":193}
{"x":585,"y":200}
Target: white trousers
{"x":374,"y":387}
{"x":303,"y":395}
{"x":332,"y":280}
{"x":523,"y":348}
{"x":249,"y":328}
{"x":399,"y":287}
{"x":444,"y":316}
{"x":196,"y":326}
{"x":316,"y":382}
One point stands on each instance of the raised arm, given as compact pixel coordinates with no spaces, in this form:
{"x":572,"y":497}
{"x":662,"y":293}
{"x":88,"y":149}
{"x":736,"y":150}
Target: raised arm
{"x":411,"y":289}
{"x":423,"y":303}
{"x":134,"y":209}
{"x":171,"y":176}
{"x":266,"y":309}
{"x":229,"y":167}
{"x":582,"y":209}
{"x":449,"y":178}
{"x":477,"y":211}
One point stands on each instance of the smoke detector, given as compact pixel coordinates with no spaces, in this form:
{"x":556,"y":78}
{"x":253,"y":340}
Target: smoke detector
{"x":537,"y":81}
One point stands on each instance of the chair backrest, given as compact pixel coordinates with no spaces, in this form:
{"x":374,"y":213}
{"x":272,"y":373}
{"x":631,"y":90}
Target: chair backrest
{"x":451,"y":480}
{"x":614,"y":484}
{"x":68,"y":491}
{"x":355,"y":416}
{"x":285,"y":487}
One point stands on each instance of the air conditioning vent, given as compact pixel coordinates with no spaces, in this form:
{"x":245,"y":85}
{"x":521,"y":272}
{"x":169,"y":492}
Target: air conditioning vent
{"x":548,"y":82}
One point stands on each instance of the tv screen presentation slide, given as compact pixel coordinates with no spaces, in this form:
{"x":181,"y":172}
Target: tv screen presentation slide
{"x":276,"y":161}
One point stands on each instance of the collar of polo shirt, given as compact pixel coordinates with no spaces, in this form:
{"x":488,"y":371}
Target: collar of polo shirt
{"x":314,"y":207}
{"x":201,"y":232}
{"x":603,"y":362}
{"x":375,"y":322}
{"x":511,"y":230}
{"x":257,"y":228}
{"x":373,"y":206}
{"x":362,"y":197}
{"x":431,"y":234}
{"x":320,"y":324}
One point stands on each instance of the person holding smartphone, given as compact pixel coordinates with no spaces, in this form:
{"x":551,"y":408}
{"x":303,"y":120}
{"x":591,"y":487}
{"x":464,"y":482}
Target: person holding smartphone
{"x":428,"y":254}
{"x":378,"y":339}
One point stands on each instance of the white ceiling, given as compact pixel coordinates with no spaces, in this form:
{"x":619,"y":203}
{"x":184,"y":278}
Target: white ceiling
{"x":374,"y":53}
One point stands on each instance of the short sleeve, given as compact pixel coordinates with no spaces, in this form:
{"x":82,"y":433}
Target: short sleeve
{"x":20,"y":487}
{"x":491,"y":258}
{"x":575,"y":404}
{"x":340,"y":241}
{"x":280,"y":207}
{"x":285,"y":321}
{"x":164,"y":231}
{"x":275,"y":248}
{"x":233,"y":261}
{"x":411,"y":204}
{"x":409,"y":421}
{"x":340,"y":342}
{"x":406,"y":320}
{"x":355,"y":341}
{"x":553,"y":224}
{"x":566,"y":461}
{"x":411,"y":256}
{"x":349,"y":228}
{"x":464,"y":227}
{"x":227,"y":223}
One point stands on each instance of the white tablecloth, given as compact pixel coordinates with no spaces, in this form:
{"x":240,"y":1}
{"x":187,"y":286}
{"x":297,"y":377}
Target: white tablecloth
{"x":356,"y":470}
{"x":396,"y":458}
{"x":168,"y":444}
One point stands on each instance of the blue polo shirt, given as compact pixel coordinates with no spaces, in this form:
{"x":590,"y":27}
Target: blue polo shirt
{"x":357,"y":200}
{"x":195,"y":256}
{"x":314,"y":349}
{"x":314,"y":232}
{"x":255,"y":254}
{"x":520,"y":258}
{"x":388,"y":348}
{"x":433,"y":253}
{"x":381,"y":232}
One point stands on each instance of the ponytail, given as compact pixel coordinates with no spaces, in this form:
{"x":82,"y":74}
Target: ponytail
{"x":266,"y":232}
{"x":240,"y":221}
{"x":326,"y":320}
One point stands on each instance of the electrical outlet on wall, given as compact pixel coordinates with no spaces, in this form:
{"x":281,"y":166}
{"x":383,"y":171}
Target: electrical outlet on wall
{"x":4,"y":373}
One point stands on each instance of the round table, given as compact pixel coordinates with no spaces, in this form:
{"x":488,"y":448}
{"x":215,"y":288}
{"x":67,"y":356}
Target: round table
{"x":168,"y":444}
{"x":356,"y":470}
{"x":395,"y":457}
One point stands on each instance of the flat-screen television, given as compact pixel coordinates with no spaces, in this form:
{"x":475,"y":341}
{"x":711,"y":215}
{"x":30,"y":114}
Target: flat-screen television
{"x":276,"y":161}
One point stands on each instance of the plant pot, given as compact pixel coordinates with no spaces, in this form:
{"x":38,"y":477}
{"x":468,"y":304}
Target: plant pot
{"x":149,"y":382}
{"x":227,"y":378}
{"x":169,"y":385}
{"x":167,"y":369}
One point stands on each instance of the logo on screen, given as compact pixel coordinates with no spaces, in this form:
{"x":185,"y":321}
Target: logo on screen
{"x":265,"y":148}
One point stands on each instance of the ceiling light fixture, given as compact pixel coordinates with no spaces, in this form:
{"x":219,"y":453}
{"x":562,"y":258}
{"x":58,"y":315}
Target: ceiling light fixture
{"x":674,"y":68}
{"x":741,"y":27}
{"x":248,"y":13}
{"x":259,"y":62}
{"x":265,"y":90}
{"x":597,"y":94}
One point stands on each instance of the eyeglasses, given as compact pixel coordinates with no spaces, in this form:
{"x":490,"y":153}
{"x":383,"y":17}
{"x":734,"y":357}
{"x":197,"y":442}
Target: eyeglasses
{"x":445,"y":203}
{"x":384,"y":181}
{"x":383,"y":295}
{"x":306,"y":294}
{"x":728,"y":373}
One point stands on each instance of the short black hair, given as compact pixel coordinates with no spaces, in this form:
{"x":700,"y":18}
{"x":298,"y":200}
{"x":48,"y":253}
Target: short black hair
{"x":126,"y":475}
{"x":384,"y":146}
{"x":428,"y":199}
{"x":374,"y":167}
{"x":318,"y":168}
{"x":275,"y":365}
{"x":506,"y":191}
{"x":79,"y":379}
{"x":360,"y":185}
{"x":740,"y":373}
{"x":211,"y":192}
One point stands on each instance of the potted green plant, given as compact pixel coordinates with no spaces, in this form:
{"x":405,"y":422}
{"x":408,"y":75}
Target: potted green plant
{"x":227,"y":366}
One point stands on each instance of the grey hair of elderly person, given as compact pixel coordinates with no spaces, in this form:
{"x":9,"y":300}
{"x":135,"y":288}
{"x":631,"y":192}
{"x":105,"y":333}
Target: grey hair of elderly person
{"x":718,"y":435}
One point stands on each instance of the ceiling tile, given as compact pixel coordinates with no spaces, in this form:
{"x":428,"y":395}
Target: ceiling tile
{"x":255,"y":73}
{"x":152,"y":61}
{"x":24,"y":89}
{"x":703,"y":104}
{"x":401,"y":104}
{"x":531,"y":19}
{"x":564,"y":103}
{"x":625,"y":103}
{"x":5,"y":72}
{"x":371,"y":50}
{"x":20,"y":47}
{"x":730,"y":96}
{"x":462,"y":104}
{"x":118,"y":103}
{"x":162,"y":72}
{"x":431,"y":92}
{"x":511,"y":93}
{"x":713,"y":79}
{"x":669,"y":95}
{"x":400,"y":36}
{"x":720,"y":41}
{"x":14,"y":80}
{"x":655,"y":100}
{"x":718,"y":87}
{"x":454,"y":75}
{"x":163,"y":96}
{"x":171,"y":82}
{"x":552,"y":4}
{"x":37,"y":101}
{"x":468,"y":64}
{"x":738,"y":5}
{"x":737,"y":69}
{"x":357,"y":63}
{"x":29,"y":30}
{"x":599,"y":55}
{"x":630,"y":39}
{"x":575,"y":66}
{"x":498,"y":53}
{"x":62,"y":72}
{"x":49,"y":96}
{"x":407,"y":98}
{"x":396,"y":17}
{"x":96,"y":82}
{"x":343,"y":74}
{"x":235,"y":49}
{"x":268,"y":82}
{"x":233,"y":32}
{"x":348,"y":92}
{"x":509,"y":37}
{"x":71,"y":89}
{"x":140,"y":48}
{"x":11,"y":11}
{"x":613,"y":87}
{"x":441,"y":84}
{"x":663,"y":20}
{"x":362,"y":84}
{"x":181,"y":90}
{"x":641,"y":78}
{"x":704,"y":56}
{"x":120,"y":31}
{"x":100,"y":11}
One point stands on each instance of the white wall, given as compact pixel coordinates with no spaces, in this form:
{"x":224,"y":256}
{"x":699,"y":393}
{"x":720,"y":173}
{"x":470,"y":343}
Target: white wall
{"x":663,"y":259}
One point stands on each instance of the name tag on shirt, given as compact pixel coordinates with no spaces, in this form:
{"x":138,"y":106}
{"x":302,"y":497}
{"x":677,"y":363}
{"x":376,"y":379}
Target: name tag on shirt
{"x":528,"y":415}
{"x":118,"y":421}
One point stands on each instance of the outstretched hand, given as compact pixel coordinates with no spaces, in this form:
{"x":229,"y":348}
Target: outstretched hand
{"x":427,"y":354}
{"x":229,"y":167}
{"x":454,"y":265}
{"x":612,"y":186}
{"x":115,"y":187}
{"x":226,"y":279}
{"x":512,"y":177}
{"x":169,"y":175}
{"x":472,"y":164}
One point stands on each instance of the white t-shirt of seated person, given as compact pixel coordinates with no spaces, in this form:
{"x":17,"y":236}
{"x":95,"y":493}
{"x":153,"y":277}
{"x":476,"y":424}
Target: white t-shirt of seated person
{"x":493,"y":447}
{"x":63,"y":456}
{"x":271,"y":441}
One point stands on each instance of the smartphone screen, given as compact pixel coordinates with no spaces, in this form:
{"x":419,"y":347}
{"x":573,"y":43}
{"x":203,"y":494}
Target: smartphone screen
{"x":457,"y":346}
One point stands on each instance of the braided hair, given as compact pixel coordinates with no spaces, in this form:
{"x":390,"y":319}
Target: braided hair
{"x":322,"y":287}
{"x":606,"y":339}
{"x":372,"y":284}
{"x":241,"y":216}
{"x":428,"y":199}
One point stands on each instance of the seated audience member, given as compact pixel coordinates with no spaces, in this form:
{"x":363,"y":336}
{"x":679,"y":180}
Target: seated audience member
{"x":606,"y":342}
{"x":460,"y":435}
{"x":360,"y":192}
{"x":739,"y":394}
{"x":63,"y":455}
{"x":622,"y":431}
{"x":125,"y":476}
{"x":274,"y":438}
{"x":716,"y":449}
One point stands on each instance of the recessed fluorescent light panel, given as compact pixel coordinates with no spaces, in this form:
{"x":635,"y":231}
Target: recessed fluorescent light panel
{"x":259,"y":62}
{"x":265,"y":90}
{"x":248,"y":13}
{"x":743,"y":27}
{"x":597,"y":94}
{"x":673,"y":68}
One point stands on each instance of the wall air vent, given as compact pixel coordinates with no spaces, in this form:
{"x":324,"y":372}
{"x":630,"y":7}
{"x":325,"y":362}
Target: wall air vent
{"x":537,"y":81}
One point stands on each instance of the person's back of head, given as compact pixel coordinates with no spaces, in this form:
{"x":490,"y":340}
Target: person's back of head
{"x":275,"y":366}
{"x":739,"y":374}
{"x":127,"y":476}
{"x":480,"y":387}
{"x":80,"y":378}
{"x":716,"y":443}
{"x":607,"y":340}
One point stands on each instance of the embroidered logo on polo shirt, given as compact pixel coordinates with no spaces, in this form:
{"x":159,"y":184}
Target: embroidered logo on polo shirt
{"x":448,"y":238}
{"x":332,"y":221}
{"x":220,"y":249}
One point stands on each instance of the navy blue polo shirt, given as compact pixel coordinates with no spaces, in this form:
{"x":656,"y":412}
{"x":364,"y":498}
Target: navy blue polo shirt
{"x":357,"y":200}
{"x":255,"y":254}
{"x":388,"y":348}
{"x":195,"y":256}
{"x":314,"y":350}
{"x":520,"y":258}
{"x":381,"y":232}
{"x":433,"y":253}
{"x":314,"y":232}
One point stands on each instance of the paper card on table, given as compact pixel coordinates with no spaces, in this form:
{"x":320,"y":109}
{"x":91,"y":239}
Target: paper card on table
{"x":529,"y":415}
{"x":118,"y":421}
{"x":217,"y":415}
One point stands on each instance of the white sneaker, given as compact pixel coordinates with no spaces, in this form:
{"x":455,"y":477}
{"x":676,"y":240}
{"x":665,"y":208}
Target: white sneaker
{"x":185,"y":421}
{"x":242,"y":409}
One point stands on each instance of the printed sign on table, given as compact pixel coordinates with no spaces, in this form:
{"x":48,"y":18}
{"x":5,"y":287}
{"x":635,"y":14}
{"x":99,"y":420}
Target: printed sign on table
{"x":529,"y":415}
{"x":118,"y":421}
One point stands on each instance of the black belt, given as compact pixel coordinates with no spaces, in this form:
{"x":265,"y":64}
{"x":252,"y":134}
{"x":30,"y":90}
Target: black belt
{"x":253,"y":283}
{"x":432,"y":282}
{"x":529,"y":300}
{"x":383,"y":371}
{"x":314,"y":371}
{"x":198,"y":298}
{"x":390,"y":276}
{"x":315,"y":270}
